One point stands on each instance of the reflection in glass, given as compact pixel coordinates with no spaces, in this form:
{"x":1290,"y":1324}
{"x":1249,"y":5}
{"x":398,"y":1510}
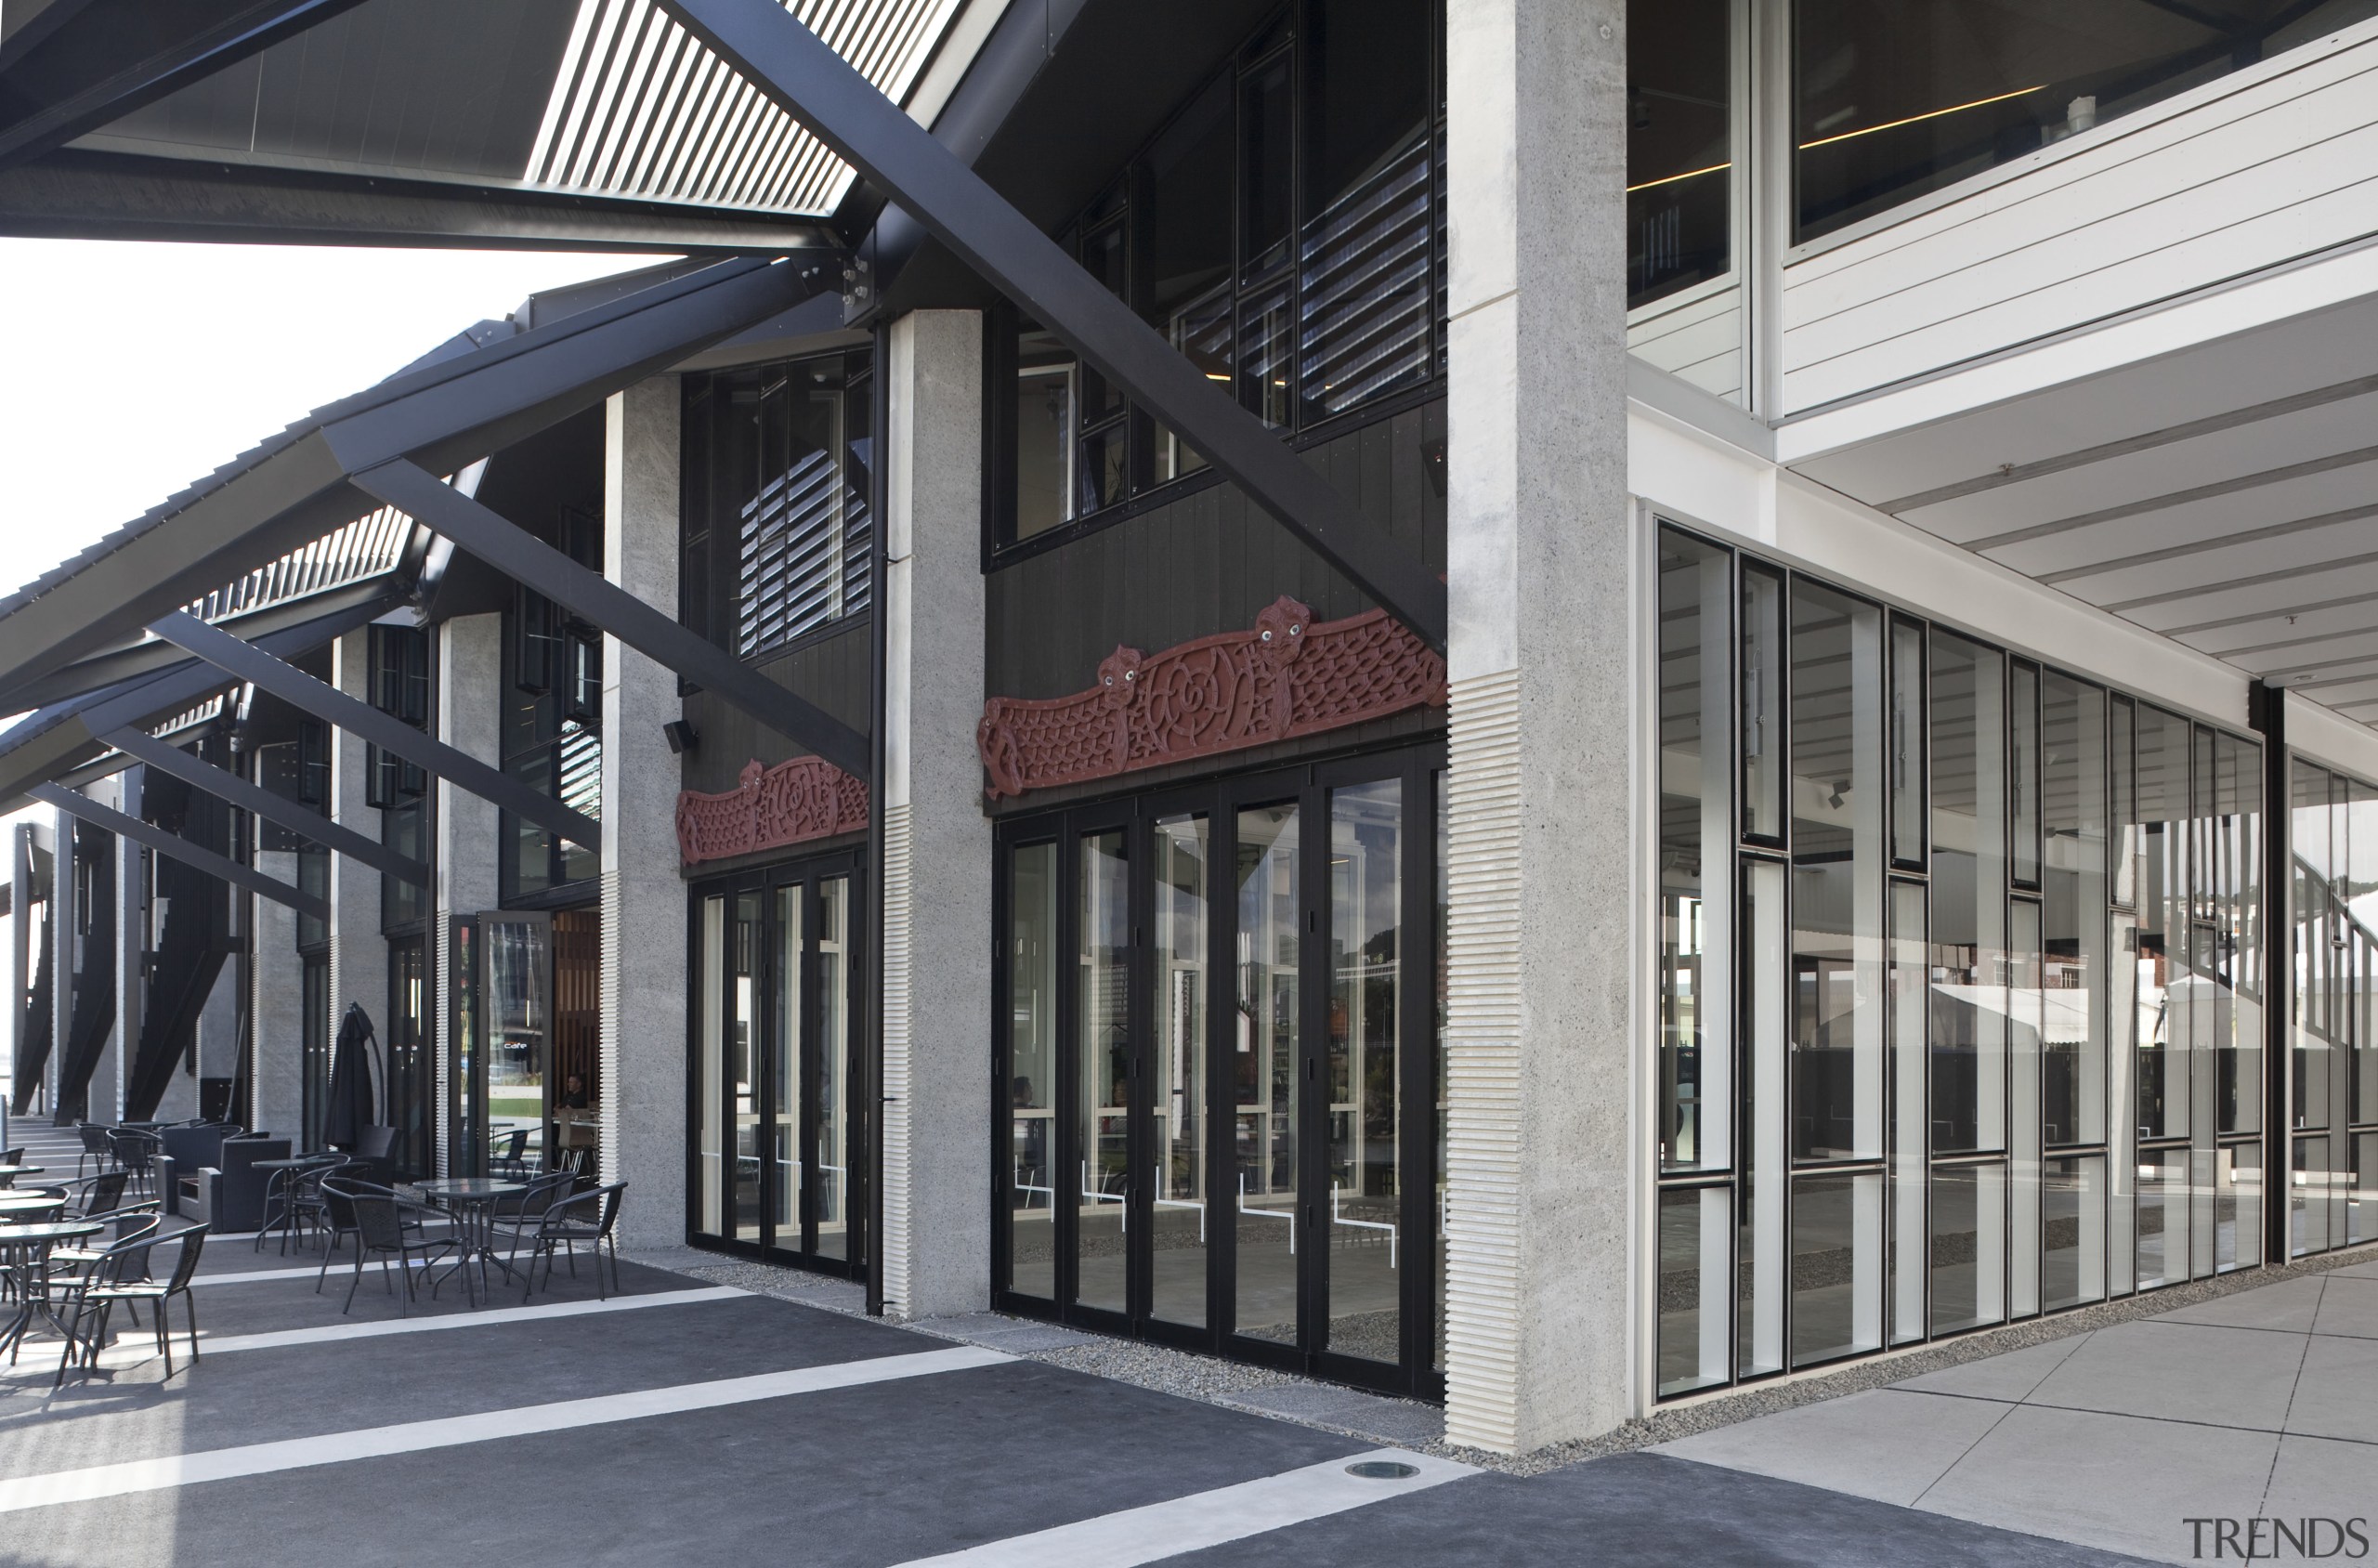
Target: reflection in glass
{"x":1838,"y":803}
{"x":2072,"y":890}
{"x":1696,"y":854}
{"x":2072,"y":1201}
{"x":2236,"y":860}
{"x":2307,"y":1197}
{"x":1908,"y":997}
{"x":832,"y":1177}
{"x":1264,"y":1071}
{"x":2026,"y":1027}
{"x":1178,"y":1227}
{"x":2361,"y":1209}
{"x":743,"y":1066}
{"x":2164,"y":986}
{"x":1032,"y":1069}
{"x":1267,"y":167}
{"x":2023,"y":766}
{"x":1907,"y":744}
{"x":784,"y":1075}
{"x":1969,"y":1247}
{"x":2163,"y":1218}
{"x":2123,"y":1023}
{"x":1766,"y":962}
{"x":710,"y":1067}
{"x":1103,"y":1043}
{"x":1762,"y":704}
{"x":1970,"y":1005}
{"x":2238,"y":1207}
{"x":1046,"y":377}
{"x":1360,"y":1071}
{"x":1680,"y":146}
{"x":1695,"y":1279}
{"x":1837,"y":1266}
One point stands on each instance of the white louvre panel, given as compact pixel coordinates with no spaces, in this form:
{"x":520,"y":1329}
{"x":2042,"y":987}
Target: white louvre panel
{"x":639,"y":109}
{"x":1366,"y":307}
{"x":372,"y":545}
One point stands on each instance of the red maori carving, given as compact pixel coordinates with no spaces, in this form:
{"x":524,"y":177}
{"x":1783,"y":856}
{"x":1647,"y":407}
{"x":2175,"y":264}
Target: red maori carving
{"x":1286,"y":678}
{"x":791,"y":803}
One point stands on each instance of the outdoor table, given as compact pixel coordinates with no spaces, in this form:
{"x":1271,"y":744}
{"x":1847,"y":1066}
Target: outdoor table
{"x":8,"y":1173}
{"x":288,"y":1216}
{"x":467,"y":1199}
{"x":27,"y":1251}
{"x":14,"y":1206}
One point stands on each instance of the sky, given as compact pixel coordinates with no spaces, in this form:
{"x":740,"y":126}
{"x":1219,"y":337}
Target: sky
{"x":127,"y":370}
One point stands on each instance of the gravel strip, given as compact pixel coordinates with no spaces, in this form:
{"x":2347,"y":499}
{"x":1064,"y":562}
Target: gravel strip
{"x":1216,"y":1381}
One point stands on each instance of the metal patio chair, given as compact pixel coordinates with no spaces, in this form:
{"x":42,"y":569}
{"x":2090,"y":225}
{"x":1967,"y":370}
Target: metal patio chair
{"x":565,"y":1224}
{"x":380,"y":1232}
{"x":108,"y":1293}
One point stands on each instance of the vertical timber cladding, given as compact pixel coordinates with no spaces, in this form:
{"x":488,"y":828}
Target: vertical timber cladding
{"x":1204,"y":563}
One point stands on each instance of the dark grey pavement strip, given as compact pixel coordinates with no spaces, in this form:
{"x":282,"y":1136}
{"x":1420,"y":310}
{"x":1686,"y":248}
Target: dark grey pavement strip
{"x":1644,"y":1509}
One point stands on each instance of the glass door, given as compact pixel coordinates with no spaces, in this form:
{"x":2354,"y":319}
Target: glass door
{"x":777,"y":1119}
{"x":515,"y":997}
{"x":1208,"y":1044}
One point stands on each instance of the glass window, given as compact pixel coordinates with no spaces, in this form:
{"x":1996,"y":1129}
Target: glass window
{"x":1837,"y":876}
{"x":1968,"y":1077}
{"x":1032,"y":1069}
{"x":1680,"y":146}
{"x":1893,"y":99}
{"x":1697,"y":1247}
{"x":2238,"y":1207}
{"x":1361,"y":1069}
{"x":2237,"y":935}
{"x":2073,"y":907}
{"x":2072,"y":1203}
{"x":2026,"y":1028}
{"x":1969,"y":1247}
{"x":1697,"y":857}
{"x":1766,"y":962}
{"x":742,"y":1051}
{"x":1102,"y":1071}
{"x":1270,"y":919}
{"x":1184,"y":207}
{"x":2163,"y":1218}
{"x":1837,"y":1266}
{"x":2165,"y":986}
{"x":1909,"y":996}
{"x":1907,"y":744}
{"x":783,"y":1050}
{"x":1762,"y":704}
{"x":1267,"y":167}
{"x":2023,"y":759}
{"x":834,"y":1178}
{"x":1179,"y":1226}
{"x":1044,"y":434}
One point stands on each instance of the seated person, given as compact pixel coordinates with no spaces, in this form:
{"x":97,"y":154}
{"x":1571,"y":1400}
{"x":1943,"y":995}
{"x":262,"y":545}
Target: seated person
{"x":573,"y":1095}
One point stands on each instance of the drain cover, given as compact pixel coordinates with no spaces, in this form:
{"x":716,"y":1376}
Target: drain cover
{"x":1382,"y":1470}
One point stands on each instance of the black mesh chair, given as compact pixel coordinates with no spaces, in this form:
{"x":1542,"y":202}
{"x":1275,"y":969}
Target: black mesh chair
{"x":75,"y":1272}
{"x":131,"y":1221}
{"x":589,"y":1216}
{"x":508,"y":1156}
{"x":514,"y":1220}
{"x":112,"y":1289}
{"x":338,"y":1215}
{"x":95,"y":1147}
{"x":135,"y":1152}
{"x":380,"y":1232}
{"x":102,"y":1193}
{"x":291,"y":1199}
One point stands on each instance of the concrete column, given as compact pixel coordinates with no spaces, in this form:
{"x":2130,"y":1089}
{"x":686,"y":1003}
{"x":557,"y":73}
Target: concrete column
{"x":1539,"y":1309}
{"x":131,"y":945}
{"x":277,"y":1008}
{"x":359,"y":952}
{"x":642,"y":1059}
{"x":62,"y":947}
{"x":936,"y":843}
{"x":470,"y":669}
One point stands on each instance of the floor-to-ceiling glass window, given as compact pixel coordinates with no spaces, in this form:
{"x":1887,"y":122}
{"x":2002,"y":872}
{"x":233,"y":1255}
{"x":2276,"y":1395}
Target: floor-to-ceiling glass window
{"x":2332,"y":1185}
{"x":1971,"y":1030}
{"x":1264,"y":947}
{"x":776,"y":1121}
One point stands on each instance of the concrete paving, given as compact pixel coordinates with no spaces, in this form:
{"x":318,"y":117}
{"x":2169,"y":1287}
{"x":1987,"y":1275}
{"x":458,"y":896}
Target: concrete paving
{"x":2258,"y":1404}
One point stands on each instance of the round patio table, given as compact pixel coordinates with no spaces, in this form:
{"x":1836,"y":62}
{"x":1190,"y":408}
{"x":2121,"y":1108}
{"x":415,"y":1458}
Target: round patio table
{"x":26,"y":1250}
{"x":14,"y":1206}
{"x":8,"y":1173}
{"x":467,"y":1199}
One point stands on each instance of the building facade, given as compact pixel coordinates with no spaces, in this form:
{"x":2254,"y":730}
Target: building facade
{"x":1863,"y":831}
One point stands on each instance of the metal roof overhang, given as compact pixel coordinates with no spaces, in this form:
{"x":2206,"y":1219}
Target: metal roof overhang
{"x":295,"y":488}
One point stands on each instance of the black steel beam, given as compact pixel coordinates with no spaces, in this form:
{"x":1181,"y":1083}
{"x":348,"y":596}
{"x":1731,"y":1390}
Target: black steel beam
{"x":332,"y":706}
{"x":79,"y":193}
{"x":442,"y":416}
{"x":111,"y":57}
{"x":226,"y":785}
{"x":525,"y":559}
{"x":843,"y":109}
{"x":218,"y":866}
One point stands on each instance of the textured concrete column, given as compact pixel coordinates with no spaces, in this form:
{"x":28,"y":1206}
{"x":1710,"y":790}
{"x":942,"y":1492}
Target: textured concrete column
{"x":63,"y":949}
{"x":642,"y":1027}
{"x":277,"y":1007}
{"x":936,"y":843}
{"x":122,"y":791}
{"x":1538,"y":1304}
{"x":470,"y":671}
{"x":359,"y":952}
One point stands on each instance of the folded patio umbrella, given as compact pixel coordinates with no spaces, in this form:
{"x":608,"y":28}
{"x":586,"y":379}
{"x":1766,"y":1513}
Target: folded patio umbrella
{"x":350,"y":1097}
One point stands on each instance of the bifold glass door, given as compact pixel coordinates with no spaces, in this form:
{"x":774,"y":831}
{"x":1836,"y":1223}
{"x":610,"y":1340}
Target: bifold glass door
{"x":776,"y":1116}
{"x":1218,"y":1071}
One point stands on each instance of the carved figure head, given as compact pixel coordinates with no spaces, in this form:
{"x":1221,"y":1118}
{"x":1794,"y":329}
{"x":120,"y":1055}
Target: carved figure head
{"x":1118,"y":677}
{"x":1279,"y":632}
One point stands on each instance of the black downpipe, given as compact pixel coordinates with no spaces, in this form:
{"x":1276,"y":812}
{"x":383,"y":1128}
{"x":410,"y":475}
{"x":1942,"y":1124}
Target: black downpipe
{"x":879,"y":576}
{"x":2266,"y":715}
